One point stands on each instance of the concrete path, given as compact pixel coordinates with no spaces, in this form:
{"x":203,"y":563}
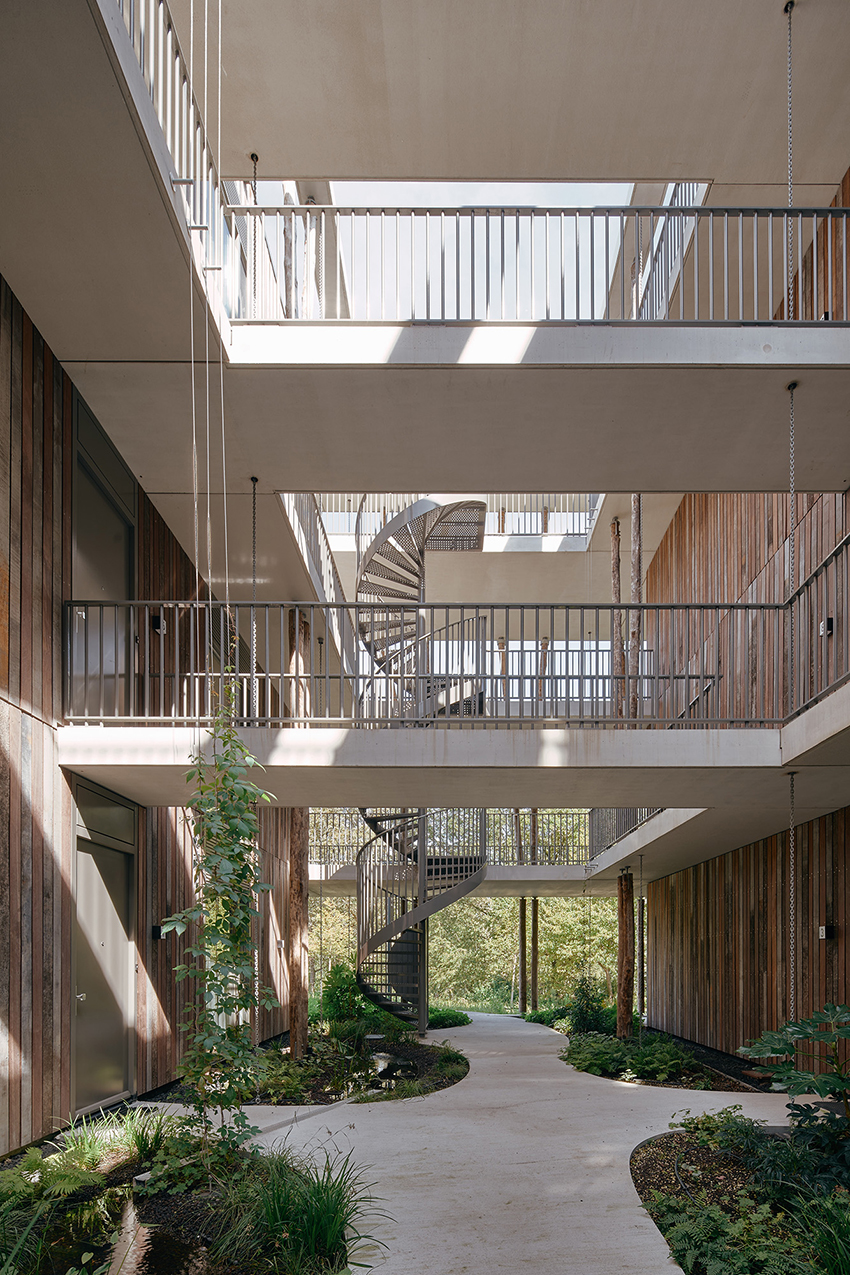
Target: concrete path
{"x":523,"y":1165}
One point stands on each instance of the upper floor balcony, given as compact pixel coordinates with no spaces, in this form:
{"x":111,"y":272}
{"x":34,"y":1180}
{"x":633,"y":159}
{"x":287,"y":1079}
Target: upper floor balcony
{"x":487,"y":667}
{"x":512,"y":362}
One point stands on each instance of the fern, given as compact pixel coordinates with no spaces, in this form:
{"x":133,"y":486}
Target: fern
{"x":745,"y":1238}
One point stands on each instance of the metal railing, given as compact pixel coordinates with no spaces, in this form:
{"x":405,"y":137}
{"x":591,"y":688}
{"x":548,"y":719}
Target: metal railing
{"x":562,"y":514}
{"x":531,"y":265}
{"x":221,"y":254}
{"x":463,"y":666}
{"x":665,"y":263}
{"x":550,"y":838}
{"x":607,"y":826}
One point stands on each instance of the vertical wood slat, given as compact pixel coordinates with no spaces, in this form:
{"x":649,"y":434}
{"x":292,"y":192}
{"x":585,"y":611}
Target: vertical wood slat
{"x":717,"y":960}
{"x":37,"y":847}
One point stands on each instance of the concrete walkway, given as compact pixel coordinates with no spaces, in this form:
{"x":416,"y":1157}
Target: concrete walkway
{"x":523,"y":1165}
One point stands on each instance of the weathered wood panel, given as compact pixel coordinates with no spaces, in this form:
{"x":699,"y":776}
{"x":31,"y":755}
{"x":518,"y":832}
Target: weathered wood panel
{"x":36,"y":807}
{"x":718,"y":937}
{"x":35,"y":816}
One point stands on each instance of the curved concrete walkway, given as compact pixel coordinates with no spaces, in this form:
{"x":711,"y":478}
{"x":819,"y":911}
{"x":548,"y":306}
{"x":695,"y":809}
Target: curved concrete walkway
{"x":523,"y":1165}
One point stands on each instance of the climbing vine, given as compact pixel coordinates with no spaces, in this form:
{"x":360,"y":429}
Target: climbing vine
{"x":220,"y":959}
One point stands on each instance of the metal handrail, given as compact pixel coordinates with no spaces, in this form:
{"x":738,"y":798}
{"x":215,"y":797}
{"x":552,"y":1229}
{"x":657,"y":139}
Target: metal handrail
{"x":530,"y":265}
{"x":608,"y":825}
{"x":404,"y":877}
{"x":564,"y":514}
{"x":547,"y":838}
{"x":465,"y":666}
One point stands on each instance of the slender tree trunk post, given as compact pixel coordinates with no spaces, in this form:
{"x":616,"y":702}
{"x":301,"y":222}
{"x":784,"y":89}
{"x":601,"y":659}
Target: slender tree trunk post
{"x":535,"y":917}
{"x":503,"y":660}
{"x":299,"y":847}
{"x":641,"y":958}
{"x":288,"y":259}
{"x":618,"y":659}
{"x":625,"y":953}
{"x":634,"y":613}
{"x":299,"y":841}
{"x":523,"y":966}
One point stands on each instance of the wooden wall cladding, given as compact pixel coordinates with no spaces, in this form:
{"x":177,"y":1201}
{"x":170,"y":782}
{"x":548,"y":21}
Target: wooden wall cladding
{"x":717,"y":965}
{"x":165,"y":887}
{"x":733,"y":546}
{"x":35,"y":799}
{"x":814,"y":288}
{"x":36,"y":808}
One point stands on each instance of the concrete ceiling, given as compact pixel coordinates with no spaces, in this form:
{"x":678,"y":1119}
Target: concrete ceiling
{"x":513,"y":428}
{"x":543,"y":89}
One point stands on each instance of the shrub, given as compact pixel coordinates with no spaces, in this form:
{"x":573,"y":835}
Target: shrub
{"x":587,"y":1008}
{"x":598,"y":1054}
{"x":441,"y":1019}
{"x":548,"y":1017}
{"x":817,"y":1040}
{"x":341,"y":999}
{"x":36,"y":1178}
{"x":812,"y":1160}
{"x":656,"y":1057}
{"x":745,"y":1239}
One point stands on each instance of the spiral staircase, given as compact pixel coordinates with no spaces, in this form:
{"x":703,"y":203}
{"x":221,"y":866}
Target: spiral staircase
{"x":401,"y":882}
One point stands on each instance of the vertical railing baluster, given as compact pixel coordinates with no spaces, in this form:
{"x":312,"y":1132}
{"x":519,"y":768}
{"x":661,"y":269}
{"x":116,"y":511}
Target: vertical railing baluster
{"x":755,"y":219}
{"x":740,"y":266}
{"x":383,"y":265}
{"x":442,"y":265}
{"x":427,"y":264}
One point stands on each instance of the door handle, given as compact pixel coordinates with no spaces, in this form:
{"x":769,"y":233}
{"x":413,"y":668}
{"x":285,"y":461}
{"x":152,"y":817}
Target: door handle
{"x":81,"y":996}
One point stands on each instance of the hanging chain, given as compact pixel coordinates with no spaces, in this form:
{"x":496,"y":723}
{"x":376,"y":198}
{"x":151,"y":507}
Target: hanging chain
{"x":792,"y":905}
{"x":792,"y":561}
{"x":790,"y":301}
{"x":254,"y":160}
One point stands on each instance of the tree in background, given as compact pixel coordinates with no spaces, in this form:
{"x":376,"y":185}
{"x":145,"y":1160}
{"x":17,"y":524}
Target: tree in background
{"x":473,"y":949}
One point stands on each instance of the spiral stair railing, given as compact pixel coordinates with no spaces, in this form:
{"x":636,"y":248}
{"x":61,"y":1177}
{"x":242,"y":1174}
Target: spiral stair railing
{"x":401,"y":881}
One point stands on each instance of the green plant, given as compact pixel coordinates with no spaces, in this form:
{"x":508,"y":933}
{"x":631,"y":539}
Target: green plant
{"x":655,"y":1057}
{"x":587,"y":1007}
{"x":20,"y":1238}
{"x":341,"y":998}
{"x":548,"y":1017}
{"x":746,"y":1238}
{"x":86,"y":1140}
{"x":816,"y":1039}
{"x":812,"y":1160}
{"x":824,"y":1223}
{"x":287,"y":1215}
{"x":442,"y":1019}
{"x":220,"y":959}
{"x":35,"y":1177}
{"x":600,"y":1055}
{"x":144,"y":1131}
{"x":451,"y":1062}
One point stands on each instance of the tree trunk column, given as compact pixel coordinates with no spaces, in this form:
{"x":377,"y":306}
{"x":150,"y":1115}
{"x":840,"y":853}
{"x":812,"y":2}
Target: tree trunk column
{"x":535,"y":915}
{"x":299,"y":944}
{"x":299,"y":847}
{"x":634,"y":613}
{"x":618,"y":659}
{"x":625,"y":953}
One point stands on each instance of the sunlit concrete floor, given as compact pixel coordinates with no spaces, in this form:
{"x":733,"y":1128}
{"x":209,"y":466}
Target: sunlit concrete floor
{"x":523,"y":1165}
